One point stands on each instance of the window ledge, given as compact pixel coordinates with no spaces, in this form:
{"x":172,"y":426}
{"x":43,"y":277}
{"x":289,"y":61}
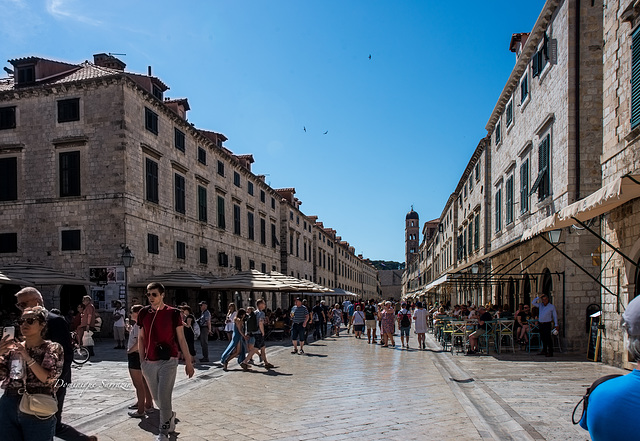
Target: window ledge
{"x":544,"y":72}
{"x":524,"y":103}
{"x":633,"y":135}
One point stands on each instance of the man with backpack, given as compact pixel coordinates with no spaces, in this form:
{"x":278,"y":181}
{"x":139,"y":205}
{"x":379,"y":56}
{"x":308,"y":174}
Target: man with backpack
{"x":404,"y":323}
{"x":204,"y":322}
{"x":614,"y":405}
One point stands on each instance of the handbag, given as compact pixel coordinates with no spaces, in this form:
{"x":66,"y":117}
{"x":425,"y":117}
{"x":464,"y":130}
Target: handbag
{"x":42,"y":406}
{"x":87,"y":339}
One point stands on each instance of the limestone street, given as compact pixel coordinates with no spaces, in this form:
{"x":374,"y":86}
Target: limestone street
{"x":344,"y":388}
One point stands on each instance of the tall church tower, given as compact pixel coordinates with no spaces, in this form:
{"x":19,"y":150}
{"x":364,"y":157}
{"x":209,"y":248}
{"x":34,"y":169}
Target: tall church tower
{"x":411,"y":233}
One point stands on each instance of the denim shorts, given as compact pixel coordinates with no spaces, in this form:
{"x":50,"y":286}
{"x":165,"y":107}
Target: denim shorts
{"x":257,"y":340}
{"x":297,"y":332}
{"x":405,"y":331}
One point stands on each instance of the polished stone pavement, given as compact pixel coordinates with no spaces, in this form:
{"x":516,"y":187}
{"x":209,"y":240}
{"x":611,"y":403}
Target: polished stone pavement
{"x":344,"y":388}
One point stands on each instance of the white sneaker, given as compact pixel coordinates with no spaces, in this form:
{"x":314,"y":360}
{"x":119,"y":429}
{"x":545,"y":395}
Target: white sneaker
{"x":170,"y":426}
{"x":172,"y":423}
{"x":162,"y":437}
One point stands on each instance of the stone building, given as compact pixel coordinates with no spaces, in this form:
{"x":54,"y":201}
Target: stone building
{"x":95,"y":160}
{"x":615,"y":213}
{"x":543,"y":134}
{"x":391,"y":284}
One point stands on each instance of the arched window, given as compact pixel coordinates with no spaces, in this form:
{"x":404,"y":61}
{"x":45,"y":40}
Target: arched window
{"x":526,"y":290}
{"x":511,"y":300}
{"x":547,"y":283}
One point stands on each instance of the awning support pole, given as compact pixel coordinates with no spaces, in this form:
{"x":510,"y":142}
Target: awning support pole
{"x":578,"y":265}
{"x":583,"y":225}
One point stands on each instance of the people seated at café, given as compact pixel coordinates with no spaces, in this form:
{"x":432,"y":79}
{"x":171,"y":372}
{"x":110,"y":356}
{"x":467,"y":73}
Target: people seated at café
{"x":523,"y":324}
{"x":474,"y":338}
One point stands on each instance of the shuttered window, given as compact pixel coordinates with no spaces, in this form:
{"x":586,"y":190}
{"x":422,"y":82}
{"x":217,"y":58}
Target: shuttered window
{"x":498,"y":209}
{"x":152,"y":180}
{"x":524,"y":186}
{"x":69,"y":174}
{"x":8,"y":179}
{"x":476,"y":231}
{"x":543,"y":181}
{"x":509,"y":200}
{"x":202,"y":204}
{"x":221,"y":218}
{"x":236,"y":220}
{"x":635,"y":78}
{"x":180,"y":194}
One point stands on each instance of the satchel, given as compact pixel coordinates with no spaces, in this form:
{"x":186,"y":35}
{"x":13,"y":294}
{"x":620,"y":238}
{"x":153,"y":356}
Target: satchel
{"x":40,"y":405}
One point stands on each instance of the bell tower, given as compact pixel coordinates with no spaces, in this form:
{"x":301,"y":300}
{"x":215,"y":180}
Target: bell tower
{"x":411,"y":235}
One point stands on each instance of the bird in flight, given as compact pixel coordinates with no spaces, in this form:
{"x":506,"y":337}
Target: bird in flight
{"x":325,"y":132}
{"x":304,"y":128}
{"x":369,"y":56}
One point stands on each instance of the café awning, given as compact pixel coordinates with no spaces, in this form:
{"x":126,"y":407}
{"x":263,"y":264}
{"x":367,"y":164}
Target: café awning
{"x":36,"y":274}
{"x":175,"y":279}
{"x":252,"y":280}
{"x":439,"y":281}
{"x":6,"y":280}
{"x":303,"y":286}
{"x":602,"y":201}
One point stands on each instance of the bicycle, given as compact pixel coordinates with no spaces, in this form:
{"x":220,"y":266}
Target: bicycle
{"x":80,"y":353}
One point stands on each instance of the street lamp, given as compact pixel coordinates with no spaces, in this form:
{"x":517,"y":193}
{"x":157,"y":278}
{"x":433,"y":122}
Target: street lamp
{"x":475,"y":268}
{"x":554,"y":236}
{"x":127,"y":258}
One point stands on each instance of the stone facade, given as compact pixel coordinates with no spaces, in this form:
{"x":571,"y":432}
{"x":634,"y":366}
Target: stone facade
{"x":621,"y":155}
{"x":543,"y":135}
{"x":99,"y":159}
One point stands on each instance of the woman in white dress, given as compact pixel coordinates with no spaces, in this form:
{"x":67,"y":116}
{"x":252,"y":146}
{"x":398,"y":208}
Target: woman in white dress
{"x":228,"y":323}
{"x":420,"y":319}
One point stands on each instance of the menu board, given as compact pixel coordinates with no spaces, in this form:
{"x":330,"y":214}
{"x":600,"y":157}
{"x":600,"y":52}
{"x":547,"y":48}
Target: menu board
{"x":593,"y":352}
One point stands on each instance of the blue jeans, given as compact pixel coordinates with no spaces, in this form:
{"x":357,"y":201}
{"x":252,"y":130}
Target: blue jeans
{"x":16,"y":425}
{"x":405,"y":331}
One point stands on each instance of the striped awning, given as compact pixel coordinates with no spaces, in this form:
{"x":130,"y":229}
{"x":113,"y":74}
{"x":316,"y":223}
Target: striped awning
{"x":252,"y":280}
{"x":37,"y":275}
{"x":302,"y":286}
{"x":6,"y":280}
{"x":175,"y":279}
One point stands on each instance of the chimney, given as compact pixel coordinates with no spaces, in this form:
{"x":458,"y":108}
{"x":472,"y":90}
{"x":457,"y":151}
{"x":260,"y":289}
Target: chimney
{"x":108,"y":60}
{"x":149,"y":70}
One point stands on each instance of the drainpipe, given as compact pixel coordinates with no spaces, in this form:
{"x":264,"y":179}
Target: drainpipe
{"x":577,"y":101}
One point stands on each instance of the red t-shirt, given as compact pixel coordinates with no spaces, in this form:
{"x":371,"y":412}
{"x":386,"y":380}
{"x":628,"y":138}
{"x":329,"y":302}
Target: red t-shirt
{"x":163,"y":330}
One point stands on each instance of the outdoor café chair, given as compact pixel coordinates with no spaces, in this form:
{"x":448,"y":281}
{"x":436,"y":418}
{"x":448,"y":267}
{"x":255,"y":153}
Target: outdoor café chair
{"x":505,"y":331}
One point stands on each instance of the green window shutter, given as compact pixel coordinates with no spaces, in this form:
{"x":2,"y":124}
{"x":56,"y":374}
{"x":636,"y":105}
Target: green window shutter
{"x":635,"y":78}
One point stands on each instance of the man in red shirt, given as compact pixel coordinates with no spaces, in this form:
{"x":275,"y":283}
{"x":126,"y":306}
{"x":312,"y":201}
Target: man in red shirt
{"x":87,"y":318}
{"x":161,"y":332}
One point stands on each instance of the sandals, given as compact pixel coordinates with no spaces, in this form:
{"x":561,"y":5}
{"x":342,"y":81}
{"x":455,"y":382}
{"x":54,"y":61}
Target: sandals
{"x":268,"y":366}
{"x":245,"y":367}
{"x":295,"y":351}
{"x":136,"y":414}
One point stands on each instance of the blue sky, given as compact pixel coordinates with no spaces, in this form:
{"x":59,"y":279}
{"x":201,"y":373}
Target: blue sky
{"x":400,"y":126}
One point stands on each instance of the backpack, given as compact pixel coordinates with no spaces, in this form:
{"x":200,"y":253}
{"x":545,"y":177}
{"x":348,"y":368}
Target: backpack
{"x":369,"y":312}
{"x":196,"y":327}
{"x":405,"y":322}
{"x":585,"y":400}
{"x":252,"y":323}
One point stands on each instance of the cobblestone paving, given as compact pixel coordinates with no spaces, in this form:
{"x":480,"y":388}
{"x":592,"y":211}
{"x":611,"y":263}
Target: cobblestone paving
{"x":344,"y":388}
